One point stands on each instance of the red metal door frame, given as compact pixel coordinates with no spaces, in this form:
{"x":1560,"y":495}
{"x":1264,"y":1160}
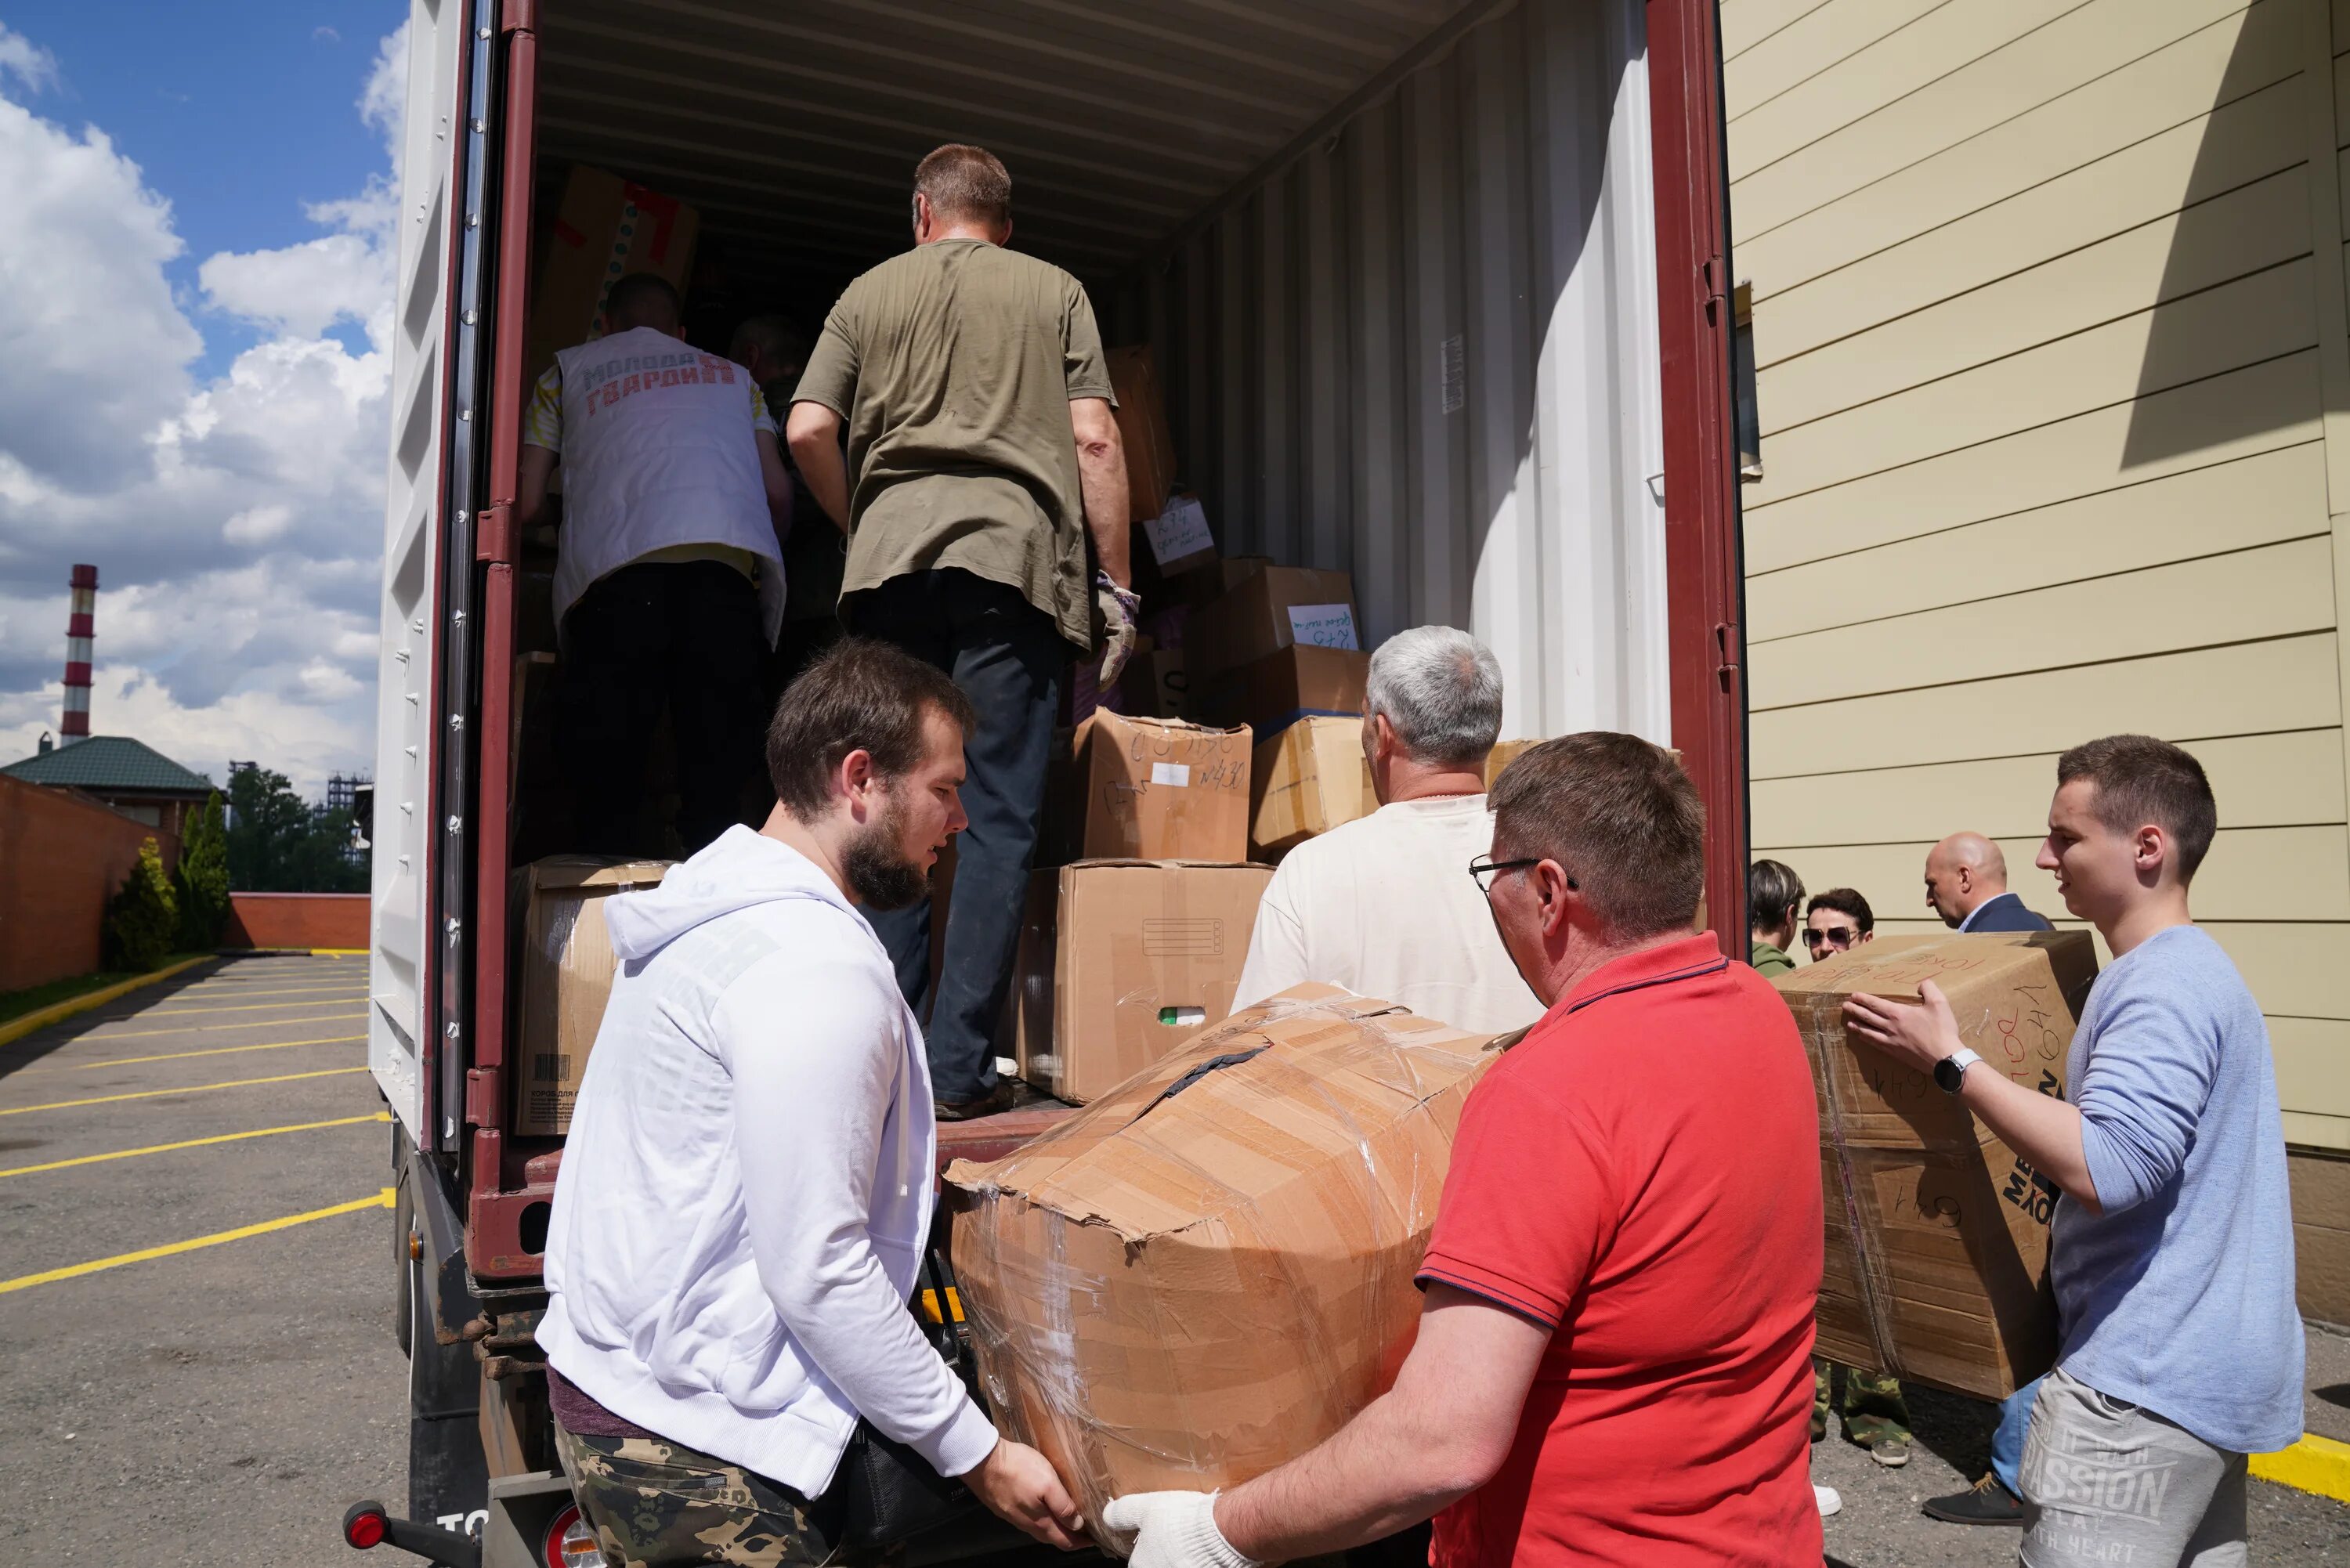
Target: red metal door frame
{"x":1704,"y":573}
{"x":499,"y":1200}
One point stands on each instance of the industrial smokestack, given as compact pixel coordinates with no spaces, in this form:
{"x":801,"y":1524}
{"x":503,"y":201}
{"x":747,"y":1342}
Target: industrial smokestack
{"x":79,"y":631}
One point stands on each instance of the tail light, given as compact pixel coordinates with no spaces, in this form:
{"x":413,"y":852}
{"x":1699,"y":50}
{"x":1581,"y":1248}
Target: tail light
{"x":366,"y":1525}
{"x":570,"y":1543}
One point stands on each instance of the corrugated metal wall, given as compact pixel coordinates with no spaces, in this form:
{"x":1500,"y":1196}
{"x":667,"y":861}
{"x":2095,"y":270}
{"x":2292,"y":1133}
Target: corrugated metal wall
{"x":1425,"y":352}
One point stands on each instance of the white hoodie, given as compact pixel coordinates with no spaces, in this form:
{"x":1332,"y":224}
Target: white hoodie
{"x":746,"y":1191}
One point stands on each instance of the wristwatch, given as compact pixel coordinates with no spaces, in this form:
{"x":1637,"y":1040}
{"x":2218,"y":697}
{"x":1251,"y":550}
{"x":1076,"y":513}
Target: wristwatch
{"x":1951,"y":1071}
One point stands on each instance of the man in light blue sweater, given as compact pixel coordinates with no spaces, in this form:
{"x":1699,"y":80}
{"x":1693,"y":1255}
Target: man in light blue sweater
{"x":2172,"y":1249}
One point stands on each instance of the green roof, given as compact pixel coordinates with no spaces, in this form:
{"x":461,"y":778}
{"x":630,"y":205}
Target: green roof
{"x":108,"y":763}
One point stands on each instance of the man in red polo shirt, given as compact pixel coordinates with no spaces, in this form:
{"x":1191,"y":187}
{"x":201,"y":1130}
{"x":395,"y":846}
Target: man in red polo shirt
{"x":1614,"y":1360}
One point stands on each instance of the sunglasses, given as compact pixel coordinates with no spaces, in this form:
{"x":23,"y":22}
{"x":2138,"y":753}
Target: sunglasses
{"x":1832,"y":934}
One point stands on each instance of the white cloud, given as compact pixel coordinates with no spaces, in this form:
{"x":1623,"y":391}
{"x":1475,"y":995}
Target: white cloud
{"x":301,"y":290}
{"x":236,"y":522}
{"x":383,"y":102}
{"x":326,"y":36}
{"x":35,"y":68}
{"x":258,"y":525}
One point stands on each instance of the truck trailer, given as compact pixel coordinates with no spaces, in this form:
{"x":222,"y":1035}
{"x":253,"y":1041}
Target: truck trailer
{"x":1441,"y":295}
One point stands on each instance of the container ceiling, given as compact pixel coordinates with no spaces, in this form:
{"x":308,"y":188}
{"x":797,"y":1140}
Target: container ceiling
{"x":794,"y":125}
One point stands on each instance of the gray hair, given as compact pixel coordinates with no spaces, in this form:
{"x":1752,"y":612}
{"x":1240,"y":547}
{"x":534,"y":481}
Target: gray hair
{"x":1441,"y":690}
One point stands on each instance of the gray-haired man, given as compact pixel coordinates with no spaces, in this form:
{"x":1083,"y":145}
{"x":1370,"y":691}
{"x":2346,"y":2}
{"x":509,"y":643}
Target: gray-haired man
{"x":1379,"y":905}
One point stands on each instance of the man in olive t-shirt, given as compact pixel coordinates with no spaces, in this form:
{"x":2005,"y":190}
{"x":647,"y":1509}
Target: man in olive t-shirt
{"x":983,"y":455}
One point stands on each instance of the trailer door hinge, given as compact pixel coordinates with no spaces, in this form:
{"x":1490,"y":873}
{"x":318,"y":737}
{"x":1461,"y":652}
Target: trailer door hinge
{"x":485,"y":1091}
{"x":518,"y":16}
{"x":1715,"y":279}
{"x":493,"y":535}
{"x":1725,"y":648}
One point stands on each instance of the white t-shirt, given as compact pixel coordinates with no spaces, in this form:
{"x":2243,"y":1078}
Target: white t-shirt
{"x":1385,"y":906}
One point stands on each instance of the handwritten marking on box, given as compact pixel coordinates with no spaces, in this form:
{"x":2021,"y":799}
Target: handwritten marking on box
{"x":1323,"y":626}
{"x":1179,"y":531}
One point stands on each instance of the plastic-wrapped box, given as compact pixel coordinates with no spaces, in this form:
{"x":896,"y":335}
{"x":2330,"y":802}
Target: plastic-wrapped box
{"x":1937,"y":1232}
{"x":1209,"y":1269}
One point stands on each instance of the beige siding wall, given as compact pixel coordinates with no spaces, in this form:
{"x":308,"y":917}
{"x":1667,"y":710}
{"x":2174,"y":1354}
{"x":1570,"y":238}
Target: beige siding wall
{"x":2048,"y":317}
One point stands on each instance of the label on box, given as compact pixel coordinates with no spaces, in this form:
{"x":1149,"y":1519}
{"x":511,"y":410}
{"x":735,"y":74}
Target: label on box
{"x":1176,"y":774}
{"x":1323,"y":626}
{"x":1178,"y":532}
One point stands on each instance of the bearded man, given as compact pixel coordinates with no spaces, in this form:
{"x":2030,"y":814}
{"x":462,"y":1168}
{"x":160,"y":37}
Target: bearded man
{"x":745,"y":1197}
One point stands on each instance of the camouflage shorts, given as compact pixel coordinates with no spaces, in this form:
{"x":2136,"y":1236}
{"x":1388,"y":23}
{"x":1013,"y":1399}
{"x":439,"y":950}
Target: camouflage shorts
{"x":658,"y":1504}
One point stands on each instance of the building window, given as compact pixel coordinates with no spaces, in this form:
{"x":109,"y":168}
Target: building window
{"x":153,"y":815}
{"x":1741,"y":367}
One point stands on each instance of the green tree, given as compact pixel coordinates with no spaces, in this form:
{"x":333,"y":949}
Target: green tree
{"x":277,"y":843}
{"x":144,"y":917}
{"x":201,"y":882}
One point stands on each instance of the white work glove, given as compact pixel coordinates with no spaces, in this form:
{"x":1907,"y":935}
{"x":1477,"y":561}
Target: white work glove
{"x":1120,"y":609}
{"x":1173,"y":1530}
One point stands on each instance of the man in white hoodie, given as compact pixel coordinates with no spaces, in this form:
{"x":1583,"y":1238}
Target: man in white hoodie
{"x":748,"y":1191}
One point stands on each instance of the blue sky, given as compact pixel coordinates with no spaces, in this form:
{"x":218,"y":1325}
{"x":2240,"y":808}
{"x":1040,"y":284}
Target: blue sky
{"x":201,"y":259}
{"x":240,"y":114}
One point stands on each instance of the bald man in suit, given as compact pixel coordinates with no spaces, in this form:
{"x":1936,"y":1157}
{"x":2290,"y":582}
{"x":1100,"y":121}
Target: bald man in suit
{"x":1966,"y":886}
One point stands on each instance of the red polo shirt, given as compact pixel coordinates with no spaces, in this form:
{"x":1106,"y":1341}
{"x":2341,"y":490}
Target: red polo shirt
{"x":1641,"y":1175}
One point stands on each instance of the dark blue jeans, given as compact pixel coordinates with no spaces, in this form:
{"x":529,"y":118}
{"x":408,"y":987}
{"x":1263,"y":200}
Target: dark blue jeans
{"x":1007,"y":656}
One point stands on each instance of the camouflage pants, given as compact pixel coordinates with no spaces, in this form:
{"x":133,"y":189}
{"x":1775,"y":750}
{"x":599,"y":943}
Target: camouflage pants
{"x":662,"y":1505}
{"x":1872,"y":1407}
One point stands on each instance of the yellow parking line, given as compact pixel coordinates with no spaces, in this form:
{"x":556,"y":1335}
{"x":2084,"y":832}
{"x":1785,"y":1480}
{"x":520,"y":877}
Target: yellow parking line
{"x":182,"y":1055}
{"x":57,"y":1012}
{"x":191,"y":1089}
{"x":208,"y":1028}
{"x":223,"y":992}
{"x":382,"y":1200}
{"x":247,"y":1006}
{"x":194,"y":1143}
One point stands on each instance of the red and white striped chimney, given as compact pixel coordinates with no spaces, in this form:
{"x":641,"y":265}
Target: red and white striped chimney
{"x":79,"y":631}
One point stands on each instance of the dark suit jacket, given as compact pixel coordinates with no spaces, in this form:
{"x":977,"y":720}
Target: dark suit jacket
{"x":2006,"y":913}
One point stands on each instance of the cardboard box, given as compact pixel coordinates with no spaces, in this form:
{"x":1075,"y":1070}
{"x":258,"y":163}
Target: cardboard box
{"x":567,"y":977}
{"x":1156,"y":685}
{"x":1306,"y":781}
{"x":1503,"y":754}
{"x":1143,"y":953}
{"x":1280,"y":689}
{"x":1162,"y":789}
{"x":1142,"y":428}
{"x":1205,"y":585}
{"x":1269,"y":610}
{"x":1025,"y":1035}
{"x":604,"y":229}
{"x":1209,"y":1270}
{"x":1937,"y":1232}
{"x":1178,"y":535}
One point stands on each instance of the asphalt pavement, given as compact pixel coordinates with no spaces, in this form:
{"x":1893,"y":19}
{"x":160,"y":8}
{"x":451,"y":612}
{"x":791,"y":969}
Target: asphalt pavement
{"x":196,"y":1359}
{"x":220,"y":1398}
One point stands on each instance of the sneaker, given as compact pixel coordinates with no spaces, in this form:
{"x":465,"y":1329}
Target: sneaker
{"x":1825,"y":1496}
{"x":1986,"y":1502}
{"x":1890,"y":1452}
{"x":995,"y":1100}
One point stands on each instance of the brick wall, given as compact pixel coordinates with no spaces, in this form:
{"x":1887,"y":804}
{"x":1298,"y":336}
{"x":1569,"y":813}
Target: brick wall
{"x":62,"y":856}
{"x":296,"y":920}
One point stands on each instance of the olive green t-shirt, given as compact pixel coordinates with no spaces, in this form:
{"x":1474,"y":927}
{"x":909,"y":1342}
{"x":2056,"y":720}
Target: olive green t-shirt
{"x":952,"y":366}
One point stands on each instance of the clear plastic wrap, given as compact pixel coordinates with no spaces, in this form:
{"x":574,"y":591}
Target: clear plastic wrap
{"x":1937,"y":1241}
{"x":1209,"y":1269}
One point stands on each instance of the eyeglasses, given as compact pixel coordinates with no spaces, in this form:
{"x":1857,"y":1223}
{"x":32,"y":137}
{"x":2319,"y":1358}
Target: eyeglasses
{"x":1486,"y":870}
{"x":1837,"y":934}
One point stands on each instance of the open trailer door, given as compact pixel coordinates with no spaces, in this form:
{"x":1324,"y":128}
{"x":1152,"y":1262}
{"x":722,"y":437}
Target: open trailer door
{"x":1704,"y":569}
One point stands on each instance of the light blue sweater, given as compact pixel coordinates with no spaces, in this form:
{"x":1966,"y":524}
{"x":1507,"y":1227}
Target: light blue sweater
{"x":2179,"y":1296}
